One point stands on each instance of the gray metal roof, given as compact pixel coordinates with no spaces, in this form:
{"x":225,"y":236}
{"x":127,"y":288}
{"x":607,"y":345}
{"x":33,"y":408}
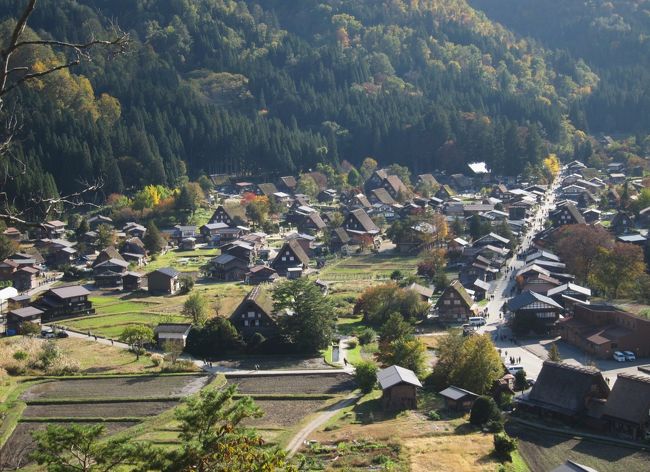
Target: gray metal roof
{"x":456,"y":393}
{"x":69,"y":292}
{"x":394,"y":375}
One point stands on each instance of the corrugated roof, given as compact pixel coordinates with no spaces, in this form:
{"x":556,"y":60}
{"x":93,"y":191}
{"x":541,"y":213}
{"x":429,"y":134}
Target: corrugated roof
{"x":456,"y":393}
{"x":69,"y":292}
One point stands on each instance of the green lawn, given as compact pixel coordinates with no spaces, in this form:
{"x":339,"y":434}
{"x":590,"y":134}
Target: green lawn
{"x":111,"y":326}
{"x":368,"y":267}
{"x":183,"y":261}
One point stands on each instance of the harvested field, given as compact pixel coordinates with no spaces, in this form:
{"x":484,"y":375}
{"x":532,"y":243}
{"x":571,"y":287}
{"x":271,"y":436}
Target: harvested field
{"x":121,"y":387}
{"x":16,"y":450}
{"x":293,"y":384}
{"x":98,"y":410}
{"x":285,"y":413}
{"x":545,"y":451}
{"x":275,"y":363}
{"x":450,"y":452}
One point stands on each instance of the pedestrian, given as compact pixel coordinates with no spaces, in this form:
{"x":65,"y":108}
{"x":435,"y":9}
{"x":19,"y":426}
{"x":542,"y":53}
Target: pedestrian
{"x":112,"y":343}
{"x":345,"y":362}
{"x":506,"y":353}
{"x":95,"y":337}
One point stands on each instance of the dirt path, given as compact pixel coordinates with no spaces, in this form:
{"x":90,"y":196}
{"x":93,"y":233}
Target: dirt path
{"x":301,"y":436}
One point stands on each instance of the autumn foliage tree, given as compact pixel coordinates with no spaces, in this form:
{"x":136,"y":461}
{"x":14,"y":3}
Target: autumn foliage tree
{"x":376,"y":304}
{"x":616,"y":271}
{"x":579,"y":245}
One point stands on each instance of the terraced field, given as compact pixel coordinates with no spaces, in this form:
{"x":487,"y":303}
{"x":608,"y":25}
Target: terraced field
{"x":299,"y":384}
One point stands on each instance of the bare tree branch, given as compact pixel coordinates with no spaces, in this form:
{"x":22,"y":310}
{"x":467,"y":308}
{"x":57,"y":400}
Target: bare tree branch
{"x":11,"y":78}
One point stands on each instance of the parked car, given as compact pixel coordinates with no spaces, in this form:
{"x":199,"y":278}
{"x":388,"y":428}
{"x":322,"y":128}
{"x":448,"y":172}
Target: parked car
{"x":62,"y":334}
{"x":618,"y":356}
{"x":530,"y":382}
{"x":513,"y":369}
{"x":476,"y":321}
{"x":629,"y":356}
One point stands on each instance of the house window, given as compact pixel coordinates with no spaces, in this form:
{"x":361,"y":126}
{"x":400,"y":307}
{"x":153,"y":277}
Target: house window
{"x":456,"y":302}
{"x":284,"y":258}
{"x":447,"y":302}
{"x":246,"y":323}
{"x":291,"y":258}
{"x":257,"y":322}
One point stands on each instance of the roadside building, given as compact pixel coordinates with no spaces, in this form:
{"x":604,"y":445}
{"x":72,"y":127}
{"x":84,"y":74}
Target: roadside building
{"x":166,"y":280}
{"x":174,"y":333}
{"x":455,"y":305}
{"x":627,"y":411}
{"x":458,"y":399}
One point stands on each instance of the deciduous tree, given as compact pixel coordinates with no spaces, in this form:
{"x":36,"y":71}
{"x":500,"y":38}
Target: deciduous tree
{"x":137,"y":336}
{"x":578,"y":246}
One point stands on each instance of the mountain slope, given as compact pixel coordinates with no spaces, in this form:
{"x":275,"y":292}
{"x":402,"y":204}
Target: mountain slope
{"x":276,"y":86}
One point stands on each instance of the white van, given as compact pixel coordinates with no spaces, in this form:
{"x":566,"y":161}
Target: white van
{"x":513,"y":369}
{"x":476,"y":321}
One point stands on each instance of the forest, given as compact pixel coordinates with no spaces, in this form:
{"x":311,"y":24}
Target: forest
{"x":269,"y":87}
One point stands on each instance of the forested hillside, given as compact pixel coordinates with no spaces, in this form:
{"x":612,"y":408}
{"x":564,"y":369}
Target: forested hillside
{"x":275,"y":86}
{"x":613,"y":37}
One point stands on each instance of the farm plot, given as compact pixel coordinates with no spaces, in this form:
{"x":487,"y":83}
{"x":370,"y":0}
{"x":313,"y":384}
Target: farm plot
{"x":99,"y":410}
{"x":293,"y":384}
{"x":284,"y":413}
{"x":15,"y":452}
{"x":111,"y":326}
{"x":118,"y":387}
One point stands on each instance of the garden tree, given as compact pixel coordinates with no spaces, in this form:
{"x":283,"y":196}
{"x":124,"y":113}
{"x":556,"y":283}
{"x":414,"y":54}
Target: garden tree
{"x":484,"y":410}
{"x":354,"y":178}
{"x":470,"y":362}
{"x":377,"y":303}
{"x":503,"y":229}
{"x":7,"y":247}
{"x":81,"y":448}
{"x":394,"y":328}
{"x":82,"y":228}
{"x":216,"y":337}
{"x":396,"y":275}
{"x":336,"y":220}
{"x":504,"y":445}
{"x":172,"y":350}
{"x":205,"y":183}
{"x":105,"y":236}
{"x":197,"y":308}
{"x":368,"y":166}
{"x":407,"y":351}
{"x":616,"y":271}
{"x":309,"y":325}
{"x":190,"y":197}
{"x":27,"y":328}
{"x":368,"y":335}
{"x":477,"y":227}
{"x":153,"y":239}
{"x":257,"y":210}
{"x":433,"y":262}
{"x":402,"y":172}
{"x":457,"y":227}
{"x":642,"y":201}
{"x":551,"y":166}
{"x":554,"y":353}
{"x":578,"y":246}
{"x":365,"y":375}
{"x":520,"y":381}
{"x":137,"y":336}
{"x":307,"y":185}
{"x":213,"y":439}
{"x":187,"y":283}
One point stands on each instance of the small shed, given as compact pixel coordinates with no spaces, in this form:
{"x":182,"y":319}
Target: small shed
{"x":399,"y":387}
{"x":132,"y":281}
{"x":458,"y":399}
{"x":175,"y":333}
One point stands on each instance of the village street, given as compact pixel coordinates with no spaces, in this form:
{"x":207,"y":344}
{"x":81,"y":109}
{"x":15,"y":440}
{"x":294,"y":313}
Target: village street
{"x":531,"y":352}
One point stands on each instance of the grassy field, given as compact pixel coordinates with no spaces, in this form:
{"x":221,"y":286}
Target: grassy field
{"x":114,"y":312}
{"x":183,"y":261}
{"x":546,"y":451}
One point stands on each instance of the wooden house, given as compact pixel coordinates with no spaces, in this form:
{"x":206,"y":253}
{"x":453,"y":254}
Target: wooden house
{"x":108,"y":274}
{"x":261,"y":274}
{"x":541,"y":311}
{"x":18,"y":316}
{"x":458,"y":399}
{"x":227,"y":267}
{"x":399,"y":388}
{"x":567,"y":391}
{"x":627,"y":411}
{"x":566,"y":214}
{"x":132,"y":281}
{"x":166,"y":280}
{"x":622,"y":223}
{"x":232,"y":216}
{"x":172,"y":333}
{"x":63,"y":302}
{"x":255,"y":315}
{"x":291,"y":256}
{"x":455,"y":305}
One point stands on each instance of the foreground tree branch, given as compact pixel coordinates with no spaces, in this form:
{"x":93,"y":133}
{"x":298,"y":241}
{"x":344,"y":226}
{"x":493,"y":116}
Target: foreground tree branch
{"x":13,"y":76}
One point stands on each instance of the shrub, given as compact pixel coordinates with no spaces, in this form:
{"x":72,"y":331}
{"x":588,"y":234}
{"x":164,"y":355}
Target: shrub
{"x":20,"y":355}
{"x":433,"y":415}
{"x":366,"y":336}
{"x":494,"y":426}
{"x":366,"y":376}
{"x":485,"y":409}
{"x":157,"y":359}
{"x":180,"y":366}
{"x":15,"y":369}
{"x":62,"y":365}
{"x":352,"y":343}
{"x":504,"y":445}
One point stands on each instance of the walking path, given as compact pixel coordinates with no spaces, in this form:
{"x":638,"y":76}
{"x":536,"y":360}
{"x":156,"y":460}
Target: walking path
{"x":301,"y":436}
